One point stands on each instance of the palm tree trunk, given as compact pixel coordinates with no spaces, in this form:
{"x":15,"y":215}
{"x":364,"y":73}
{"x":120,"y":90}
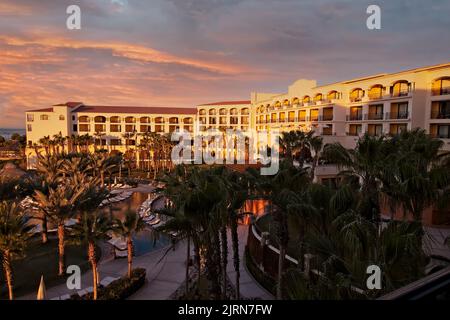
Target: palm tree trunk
{"x":188,"y":257}
{"x":130,"y":255}
{"x":93,"y":260}
{"x":8,"y":273}
{"x":224,"y":250}
{"x":280,"y":272}
{"x":44,"y":229}
{"x":236,"y":262}
{"x":61,"y":249}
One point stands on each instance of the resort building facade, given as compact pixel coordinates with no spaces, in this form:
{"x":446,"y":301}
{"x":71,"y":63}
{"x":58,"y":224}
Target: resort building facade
{"x":340,"y":112}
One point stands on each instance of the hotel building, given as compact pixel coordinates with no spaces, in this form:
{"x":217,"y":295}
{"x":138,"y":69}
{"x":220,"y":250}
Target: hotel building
{"x":340,"y":112}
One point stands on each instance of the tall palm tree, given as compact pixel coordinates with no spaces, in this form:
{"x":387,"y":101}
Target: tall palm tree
{"x":93,"y":225}
{"x":14,"y":233}
{"x":132,"y":224}
{"x":363,"y":165}
{"x":59,"y":205}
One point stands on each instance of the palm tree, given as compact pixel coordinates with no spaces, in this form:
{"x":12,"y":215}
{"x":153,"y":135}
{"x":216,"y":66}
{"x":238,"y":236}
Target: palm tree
{"x":93,"y":225}
{"x":132,"y":225}
{"x":14,"y":233}
{"x":315,"y":144}
{"x":363,"y":166}
{"x":59,"y":205}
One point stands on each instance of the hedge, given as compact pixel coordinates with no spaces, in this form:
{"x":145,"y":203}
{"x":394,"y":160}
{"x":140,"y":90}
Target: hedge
{"x":119,"y":289}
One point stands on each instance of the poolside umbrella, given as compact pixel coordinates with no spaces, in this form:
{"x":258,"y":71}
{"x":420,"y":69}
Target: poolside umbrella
{"x":42,"y":293}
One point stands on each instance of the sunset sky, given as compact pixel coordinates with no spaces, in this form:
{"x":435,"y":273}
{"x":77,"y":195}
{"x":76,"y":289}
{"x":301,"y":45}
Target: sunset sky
{"x":179,"y":53}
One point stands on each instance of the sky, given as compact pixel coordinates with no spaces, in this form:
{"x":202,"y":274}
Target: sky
{"x":179,"y":53}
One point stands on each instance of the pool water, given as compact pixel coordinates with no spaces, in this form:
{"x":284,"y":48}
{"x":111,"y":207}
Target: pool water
{"x":147,"y":240}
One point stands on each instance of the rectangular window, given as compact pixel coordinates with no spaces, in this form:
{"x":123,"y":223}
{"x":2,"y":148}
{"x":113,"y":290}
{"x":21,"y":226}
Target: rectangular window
{"x":355,"y":130}
{"x":115,"y":128}
{"x":327,"y":114}
{"x":75,"y":128}
{"x":314,"y":114}
{"x":375,"y":129}
{"x":440,"y":110}
{"x":100,"y":128}
{"x":115,"y":142}
{"x":302,"y":115}
{"x":30,"y":117}
{"x":44,"y":117}
{"x":397,"y":128}
{"x":85,"y":128}
{"x":130,"y":128}
{"x":327,"y":130}
{"x":376,"y":112}
{"x":355,"y":113}
{"x":399,"y":110}
{"x":29,"y":127}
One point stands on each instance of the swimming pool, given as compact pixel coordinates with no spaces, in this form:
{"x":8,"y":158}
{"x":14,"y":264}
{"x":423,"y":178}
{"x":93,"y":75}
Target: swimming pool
{"x":147,"y":240}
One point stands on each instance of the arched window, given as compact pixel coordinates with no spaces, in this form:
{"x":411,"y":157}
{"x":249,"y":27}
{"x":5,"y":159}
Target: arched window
{"x":130,"y":120}
{"x":356,"y":95}
{"x":233,"y":111}
{"x":144,"y":120}
{"x":100,"y":119}
{"x":277,"y":105}
{"x":202,"y":112}
{"x":441,"y":86}
{"x":223,"y":111}
{"x":333,"y":95}
{"x":244,"y":111}
{"x":114,"y":119}
{"x":83,"y":119}
{"x":286,"y":102}
{"x":212,"y":112}
{"x":188,"y":121}
{"x":159,"y":120}
{"x":62,"y":118}
{"x":295,"y":101}
{"x":400,"y":88}
{"x":376,"y":92}
{"x":318,"y":97}
{"x":173,"y":120}
{"x":306,"y":99}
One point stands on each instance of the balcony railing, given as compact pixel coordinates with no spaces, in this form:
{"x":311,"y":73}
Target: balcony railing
{"x":440,"y":115}
{"x":397,"y":115}
{"x":326,"y":118}
{"x":356,"y":99}
{"x":354,"y":117}
{"x":374,"y":116}
{"x":400,"y":94}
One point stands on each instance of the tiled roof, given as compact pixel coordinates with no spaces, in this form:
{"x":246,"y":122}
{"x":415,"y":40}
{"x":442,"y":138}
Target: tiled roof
{"x":41,"y":110}
{"x":69,"y":104}
{"x":130,"y":109}
{"x":227,"y":103}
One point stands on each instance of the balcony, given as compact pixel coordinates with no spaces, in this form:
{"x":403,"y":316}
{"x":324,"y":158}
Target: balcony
{"x":326,"y":118}
{"x":397,"y":115}
{"x":440,"y":115}
{"x":400,"y":94}
{"x":354,"y":117}
{"x":374,"y":116}
{"x":356,"y":99}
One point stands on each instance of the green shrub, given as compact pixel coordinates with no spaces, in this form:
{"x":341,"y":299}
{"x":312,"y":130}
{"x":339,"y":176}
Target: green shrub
{"x":119,"y":289}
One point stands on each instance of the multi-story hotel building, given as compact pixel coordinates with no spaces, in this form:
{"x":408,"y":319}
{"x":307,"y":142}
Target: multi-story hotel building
{"x":340,"y":112}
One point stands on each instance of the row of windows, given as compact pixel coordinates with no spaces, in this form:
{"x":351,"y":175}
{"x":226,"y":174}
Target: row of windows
{"x":128,"y":128}
{"x":115,"y":119}
{"x":43,"y":117}
{"x":223,"y":111}
{"x":398,"y":89}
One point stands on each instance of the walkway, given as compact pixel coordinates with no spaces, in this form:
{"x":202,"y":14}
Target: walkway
{"x":165,"y":273}
{"x":249,"y":287}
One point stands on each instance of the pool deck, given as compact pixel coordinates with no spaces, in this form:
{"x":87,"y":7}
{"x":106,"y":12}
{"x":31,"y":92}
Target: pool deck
{"x":165,"y":270}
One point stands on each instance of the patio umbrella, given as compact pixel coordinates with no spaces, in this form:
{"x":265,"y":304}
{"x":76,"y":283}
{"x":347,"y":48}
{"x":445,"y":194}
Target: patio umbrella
{"x":42,"y":293}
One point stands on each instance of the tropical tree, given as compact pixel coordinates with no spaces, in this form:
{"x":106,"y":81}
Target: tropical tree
{"x":93,"y":225}
{"x":130,"y":226}
{"x":362,"y":166}
{"x":14,"y":233}
{"x":58,"y":205}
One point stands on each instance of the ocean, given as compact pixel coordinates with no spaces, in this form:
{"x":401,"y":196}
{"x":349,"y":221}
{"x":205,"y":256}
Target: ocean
{"x":7,"y":133}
